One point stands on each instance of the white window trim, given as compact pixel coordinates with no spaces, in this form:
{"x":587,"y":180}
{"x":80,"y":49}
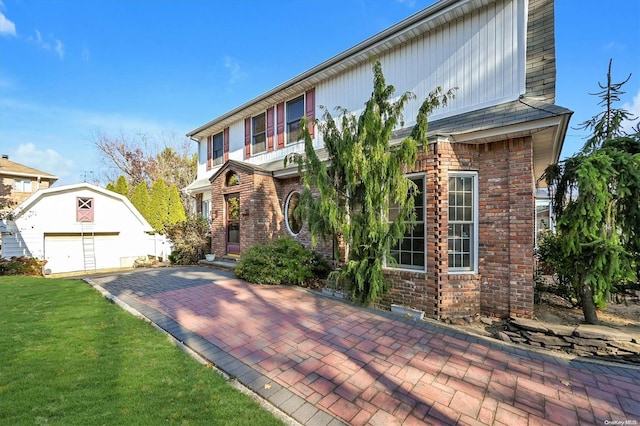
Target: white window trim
{"x":287,"y":141}
{"x":404,"y":268}
{"x":476,"y":223}
{"x":22,"y":185}
{"x":551,"y":224}
{"x":213,"y":158}
{"x":266,"y":126}
{"x":286,"y":213}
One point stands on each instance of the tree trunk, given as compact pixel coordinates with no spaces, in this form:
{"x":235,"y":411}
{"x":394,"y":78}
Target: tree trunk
{"x":588,"y":307}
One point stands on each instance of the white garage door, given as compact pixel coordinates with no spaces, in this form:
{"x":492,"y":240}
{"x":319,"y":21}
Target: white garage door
{"x":65,"y":253}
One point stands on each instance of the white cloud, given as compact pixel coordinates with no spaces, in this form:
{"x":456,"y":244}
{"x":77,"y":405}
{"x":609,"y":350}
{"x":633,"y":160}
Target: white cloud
{"x":86,"y":54}
{"x":60,"y":140}
{"x":50,"y":43}
{"x":633,"y":108}
{"x":44,"y":159}
{"x":59,"y":48}
{"x":6,"y":26}
{"x":235,"y":72}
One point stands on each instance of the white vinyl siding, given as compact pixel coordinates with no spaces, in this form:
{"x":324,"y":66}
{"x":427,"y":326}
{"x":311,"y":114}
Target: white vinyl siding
{"x":482,"y":54}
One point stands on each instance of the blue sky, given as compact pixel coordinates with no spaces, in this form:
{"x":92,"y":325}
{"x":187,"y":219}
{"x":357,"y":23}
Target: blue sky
{"x":70,"y":69}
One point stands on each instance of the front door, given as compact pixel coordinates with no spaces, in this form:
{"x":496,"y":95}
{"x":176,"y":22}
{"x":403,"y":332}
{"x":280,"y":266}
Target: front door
{"x":233,"y":224}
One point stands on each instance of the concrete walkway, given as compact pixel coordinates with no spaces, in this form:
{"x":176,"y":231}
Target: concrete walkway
{"x":326,"y":362}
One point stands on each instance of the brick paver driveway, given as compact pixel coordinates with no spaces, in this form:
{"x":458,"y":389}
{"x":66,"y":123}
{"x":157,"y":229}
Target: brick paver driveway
{"x":323,"y":361}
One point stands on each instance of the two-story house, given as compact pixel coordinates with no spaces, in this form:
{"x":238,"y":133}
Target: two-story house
{"x":471,"y":248}
{"x":18,"y":182}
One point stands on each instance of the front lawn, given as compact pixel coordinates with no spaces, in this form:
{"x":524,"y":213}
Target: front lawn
{"x":69,"y":357}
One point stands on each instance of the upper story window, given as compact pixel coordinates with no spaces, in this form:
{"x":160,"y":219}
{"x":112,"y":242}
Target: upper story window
{"x":259,"y":134}
{"x":409,"y":252}
{"x":295,"y":112}
{"x":217,"y":149}
{"x":463,"y":221}
{"x":22,"y":185}
{"x":84,"y":209}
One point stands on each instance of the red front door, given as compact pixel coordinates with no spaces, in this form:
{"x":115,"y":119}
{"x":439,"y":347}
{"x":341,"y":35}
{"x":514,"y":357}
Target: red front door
{"x":233,"y":223}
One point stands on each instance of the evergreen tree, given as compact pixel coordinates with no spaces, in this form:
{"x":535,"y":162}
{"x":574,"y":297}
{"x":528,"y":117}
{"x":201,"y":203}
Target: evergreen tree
{"x":159,"y":207}
{"x":121,"y":186}
{"x":176,"y":210}
{"x":597,"y":205}
{"x":140,"y":199}
{"x":347,"y":196}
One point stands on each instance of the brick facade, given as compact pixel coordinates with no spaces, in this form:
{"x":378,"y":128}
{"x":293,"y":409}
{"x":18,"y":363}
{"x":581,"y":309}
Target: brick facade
{"x":503,"y":284}
{"x":503,"y":160}
{"x":262,"y":205}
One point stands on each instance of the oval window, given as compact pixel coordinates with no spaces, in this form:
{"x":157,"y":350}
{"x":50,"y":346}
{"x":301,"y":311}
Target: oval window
{"x":294,"y":223}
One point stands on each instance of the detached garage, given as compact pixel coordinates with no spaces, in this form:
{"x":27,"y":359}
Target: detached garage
{"x":80,"y":227}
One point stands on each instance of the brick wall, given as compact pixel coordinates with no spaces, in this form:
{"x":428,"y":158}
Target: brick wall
{"x":503,"y":285}
{"x":262,"y":205}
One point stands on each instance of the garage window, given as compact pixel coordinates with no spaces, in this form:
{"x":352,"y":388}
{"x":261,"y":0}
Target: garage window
{"x":84,"y":209}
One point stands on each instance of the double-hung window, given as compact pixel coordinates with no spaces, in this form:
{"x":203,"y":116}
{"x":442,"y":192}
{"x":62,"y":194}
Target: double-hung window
{"x":259,"y":133}
{"x":295,"y":112}
{"x":409,"y":252}
{"x":22,"y":185}
{"x":463,"y":221}
{"x":206,"y":209}
{"x":217,"y":149}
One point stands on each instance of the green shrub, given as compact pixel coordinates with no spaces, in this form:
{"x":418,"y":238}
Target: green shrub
{"x":552,"y":262}
{"x":191,"y":240}
{"x":22,"y":265}
{"x":281,"y":261}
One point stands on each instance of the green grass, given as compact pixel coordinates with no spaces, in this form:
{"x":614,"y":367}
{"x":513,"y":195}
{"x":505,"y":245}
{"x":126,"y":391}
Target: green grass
{"x":69,"y":357}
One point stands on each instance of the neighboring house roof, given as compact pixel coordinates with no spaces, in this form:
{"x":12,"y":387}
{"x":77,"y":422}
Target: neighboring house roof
{"x":11,"y":168}
{"x":432,"y":17}
{"x":40,"y":194}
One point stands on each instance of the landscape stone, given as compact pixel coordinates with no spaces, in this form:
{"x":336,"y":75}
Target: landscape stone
{"x":587,"y":342}
{"x":601,"y":332}
{"x":530,"y":325}
{"x":627,"y":346}
{"x":546,"y":340}
{"x":560,"y":330}
{"x":486,"y":320}
{"x":503,"y":336}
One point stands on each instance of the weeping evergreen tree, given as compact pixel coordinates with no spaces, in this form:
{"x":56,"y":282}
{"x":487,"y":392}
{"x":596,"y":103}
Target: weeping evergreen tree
{"x":347,"y":197}
{"x":596,"y":199}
